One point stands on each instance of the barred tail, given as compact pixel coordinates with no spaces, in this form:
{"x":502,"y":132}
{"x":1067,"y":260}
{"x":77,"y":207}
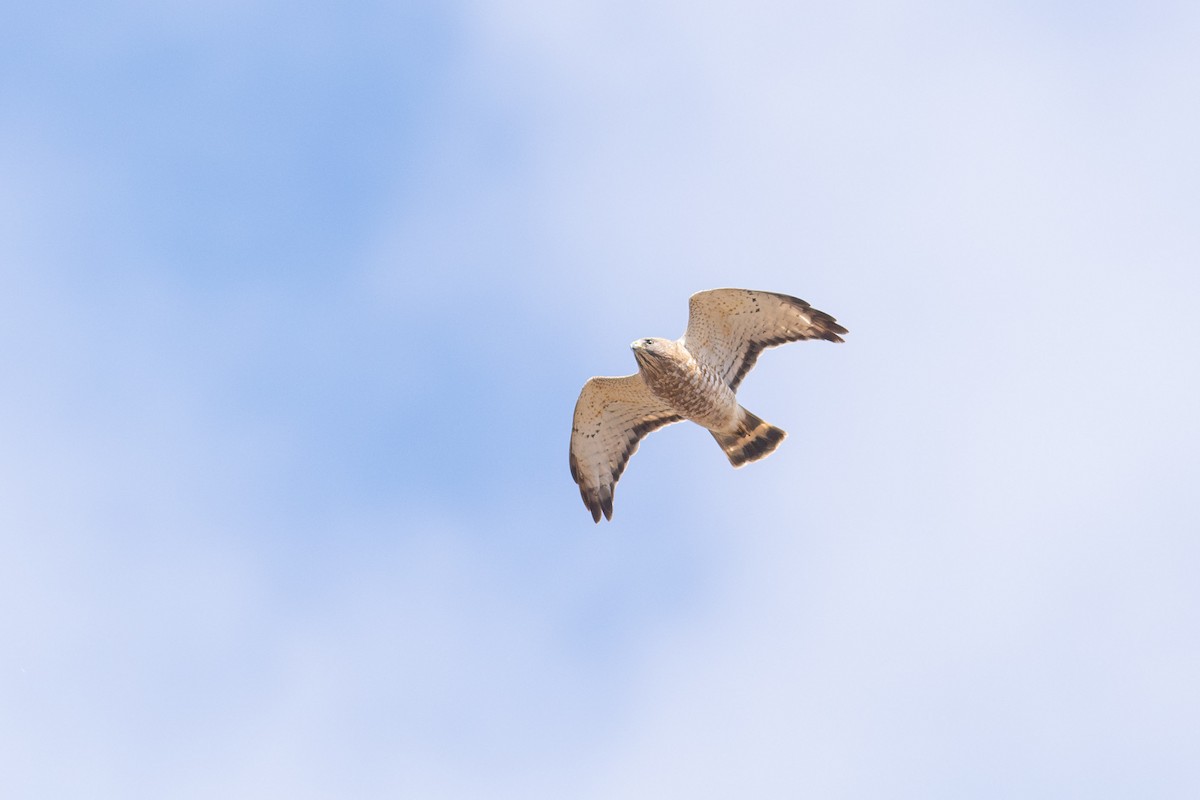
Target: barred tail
{"x":754,"y":439}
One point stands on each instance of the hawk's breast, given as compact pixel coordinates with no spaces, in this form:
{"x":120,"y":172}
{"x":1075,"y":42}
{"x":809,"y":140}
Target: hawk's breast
{"x":693,"y":389}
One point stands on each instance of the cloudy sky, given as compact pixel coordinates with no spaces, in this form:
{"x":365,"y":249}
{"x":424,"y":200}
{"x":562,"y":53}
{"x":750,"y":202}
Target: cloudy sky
{"x":296,"y":300}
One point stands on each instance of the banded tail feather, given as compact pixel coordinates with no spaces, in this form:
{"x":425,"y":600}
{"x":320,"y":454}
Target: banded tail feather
{"x":754,"y":439}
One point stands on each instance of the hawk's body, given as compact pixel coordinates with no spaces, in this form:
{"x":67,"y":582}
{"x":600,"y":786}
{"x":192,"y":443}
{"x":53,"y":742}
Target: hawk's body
{"x":696,"y":378}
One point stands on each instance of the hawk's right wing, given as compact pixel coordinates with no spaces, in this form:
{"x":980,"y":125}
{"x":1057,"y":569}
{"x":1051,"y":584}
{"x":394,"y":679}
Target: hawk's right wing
{"x":728,"y":328}
{"x":611,"y":417}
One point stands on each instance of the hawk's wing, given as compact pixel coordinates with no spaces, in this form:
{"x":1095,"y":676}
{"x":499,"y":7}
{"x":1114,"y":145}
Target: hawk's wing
{"x":728,"y":328}
{"x":611,"y":417}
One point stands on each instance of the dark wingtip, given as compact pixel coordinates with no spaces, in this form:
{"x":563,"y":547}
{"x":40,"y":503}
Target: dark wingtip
{"x":592,"y":503}
{"x":827,"y":327}
{"x":599,"y":503}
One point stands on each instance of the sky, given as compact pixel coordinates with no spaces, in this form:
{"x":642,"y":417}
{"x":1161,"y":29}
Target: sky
{"x":296,"y":301}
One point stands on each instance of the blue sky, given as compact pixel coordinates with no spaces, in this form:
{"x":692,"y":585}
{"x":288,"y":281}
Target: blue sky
{"x":297,"y":300}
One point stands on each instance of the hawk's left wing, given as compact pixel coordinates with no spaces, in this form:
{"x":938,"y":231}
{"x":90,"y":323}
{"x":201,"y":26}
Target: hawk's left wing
{"x":728,"y":328}
{"x":611,"y":417}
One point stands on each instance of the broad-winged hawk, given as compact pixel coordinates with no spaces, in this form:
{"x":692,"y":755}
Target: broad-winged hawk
{"x":695,"y":377}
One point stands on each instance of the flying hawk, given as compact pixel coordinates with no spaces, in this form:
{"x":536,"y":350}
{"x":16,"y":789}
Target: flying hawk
{"x":695,"y":377}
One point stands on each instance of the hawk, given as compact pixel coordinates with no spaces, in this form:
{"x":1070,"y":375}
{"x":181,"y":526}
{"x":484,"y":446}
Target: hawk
{"x":695,"y":377}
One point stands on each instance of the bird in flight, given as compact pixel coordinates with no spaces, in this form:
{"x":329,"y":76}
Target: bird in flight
{"x":695,"y":377}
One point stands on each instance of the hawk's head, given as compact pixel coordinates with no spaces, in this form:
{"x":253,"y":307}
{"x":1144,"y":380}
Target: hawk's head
{"x":650,"y":352}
